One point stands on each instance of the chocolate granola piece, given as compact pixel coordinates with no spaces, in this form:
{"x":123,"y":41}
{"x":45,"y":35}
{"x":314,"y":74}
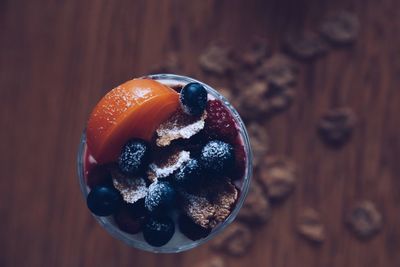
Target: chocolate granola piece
{"x":259,"y":142}
{"x":252,"y":103}
{"x":131,"y":188}
{"x":256,"y":208}
{"x":335,"y":127}
{"x":167,"y":163}
{"x":178,"y":126}
{"x":365,"y":220}
{"x":214,"y":261}
{"x":310,"y":227}
{"x":269,"y":89}
{"x":211,"y":205}
{"x":341,"y":28}
{"x":305,"y":46}
{"x":235,"y":240}
{"x":217,"y":59}
{"x":279,"y":70}
{"x":279,"y":97}
{"x":252,"y":56}
{"x":262,"y":98}
{"x":170,"y":64}
{"x":243,"y":79}
{"x":277,"y":175}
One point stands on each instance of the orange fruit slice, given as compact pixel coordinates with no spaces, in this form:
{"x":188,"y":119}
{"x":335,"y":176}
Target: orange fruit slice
{"x":132,"y":110}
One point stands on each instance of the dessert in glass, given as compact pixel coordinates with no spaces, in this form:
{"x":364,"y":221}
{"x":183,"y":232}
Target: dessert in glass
{"x":164,"y":163}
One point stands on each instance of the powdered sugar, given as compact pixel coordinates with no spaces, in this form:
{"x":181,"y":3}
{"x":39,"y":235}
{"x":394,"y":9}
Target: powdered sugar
{"x":175,"y":161}
{"x":141,"y":92}
{"x":160,"y":195}
{"x":180,"y":125}
{"x":131,"y":188}
{"x":212,"y":205}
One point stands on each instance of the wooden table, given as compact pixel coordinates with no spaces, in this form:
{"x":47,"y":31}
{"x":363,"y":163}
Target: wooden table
{"x":59,"y":57}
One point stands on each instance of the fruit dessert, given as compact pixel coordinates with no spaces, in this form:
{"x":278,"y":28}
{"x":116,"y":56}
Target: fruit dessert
{"x":164,"y":165}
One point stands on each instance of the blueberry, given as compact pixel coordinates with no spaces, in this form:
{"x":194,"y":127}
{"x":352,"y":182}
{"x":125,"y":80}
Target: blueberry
{"x":158,"y":231}
{"x":189,"y":174}
{"x":193,"y":98}
{"x":134,"y":156}
{"x":160,"y":197}
{"x":217,"y":157}
{"x":104,"y":201}
{"x":190,"y":229}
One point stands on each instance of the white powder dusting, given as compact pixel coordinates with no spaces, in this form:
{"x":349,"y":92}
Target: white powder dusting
{"x":177,"y":127}
{"x":141,"y":92}
{"x":131,"y":189}
{"x":161,"y":172}
{"x":156,"y":195}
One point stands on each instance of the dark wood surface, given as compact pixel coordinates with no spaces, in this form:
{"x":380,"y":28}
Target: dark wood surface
{"x":57,"y":58}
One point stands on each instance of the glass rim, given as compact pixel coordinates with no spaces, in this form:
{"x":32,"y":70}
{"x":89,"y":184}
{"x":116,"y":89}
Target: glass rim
{"x":133,"y":242}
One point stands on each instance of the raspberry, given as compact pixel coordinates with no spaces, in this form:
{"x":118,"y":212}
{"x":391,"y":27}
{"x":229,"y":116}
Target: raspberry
{"x":219,"y":123}
{"x":240,"y":160}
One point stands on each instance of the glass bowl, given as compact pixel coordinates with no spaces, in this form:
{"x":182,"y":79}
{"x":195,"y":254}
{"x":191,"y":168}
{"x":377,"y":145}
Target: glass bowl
{"x":179,"y":242}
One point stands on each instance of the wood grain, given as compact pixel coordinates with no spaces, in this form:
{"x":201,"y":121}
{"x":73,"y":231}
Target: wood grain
{"x":57,"y":58}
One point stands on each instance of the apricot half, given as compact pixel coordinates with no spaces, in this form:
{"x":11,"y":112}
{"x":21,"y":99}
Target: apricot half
{"x":132,"y":110}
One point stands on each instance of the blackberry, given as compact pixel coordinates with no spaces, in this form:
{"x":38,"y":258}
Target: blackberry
{"x":189,"y":175}
{"x":217,"y":157}
{"x":134,"y":156}
{"x":160,"y":197}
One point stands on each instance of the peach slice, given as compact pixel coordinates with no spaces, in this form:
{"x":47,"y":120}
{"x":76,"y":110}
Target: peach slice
{"x":132,"y":110}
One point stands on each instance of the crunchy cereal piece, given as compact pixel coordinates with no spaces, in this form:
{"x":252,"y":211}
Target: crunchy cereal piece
{"x":214,"y":261}
{"x":255,"y":53}
{"x":341,"y":28}
{"x":279,"y":70}
{"x":256,"y":208}
{"x":279,"y":98}
{"x":170,"y":64}
{"x":167,"y":163}
{"x":310,"y":226}
{"x":262,"y":98}
{"x":335,"y":127}
{"x":217,"y":59}
{"x":180,"y":125}
{"x":235,"y":240}
{"x":243,"y":79}
{"x":259,"y":141}
{"x":277,"y":176}
{"x":267,"y":90}
{"x":131,"y":188}
{"x":212,"y":205}
{"x":305,"y":46}
{"x":365,"y":220}
{"x":252,"y":101}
